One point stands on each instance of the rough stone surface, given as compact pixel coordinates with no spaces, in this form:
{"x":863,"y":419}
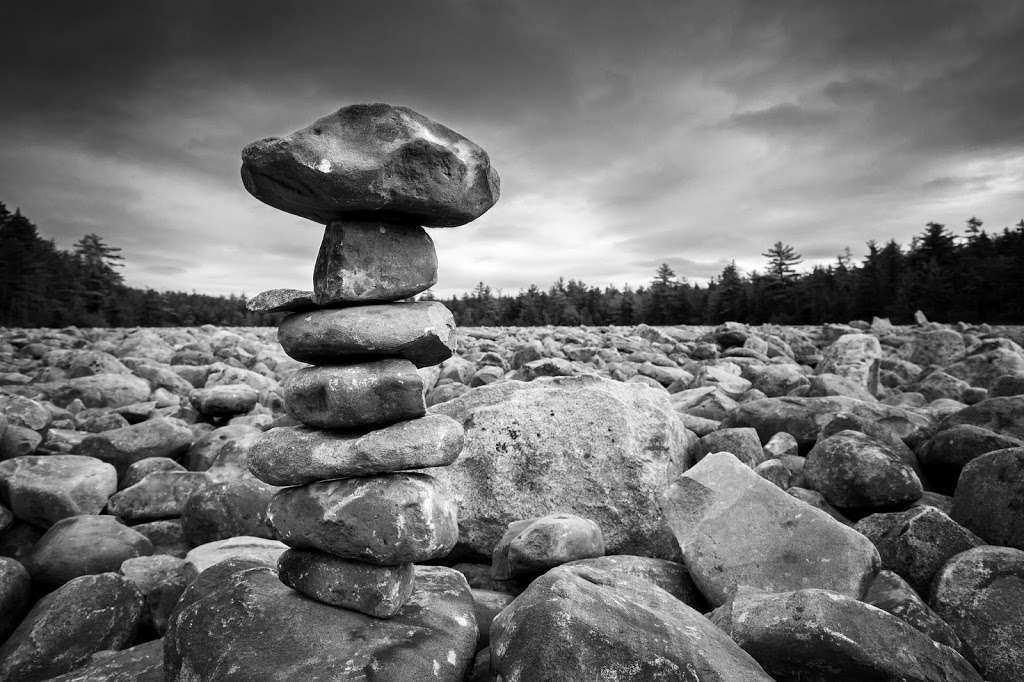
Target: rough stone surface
{"x":814,"y":634}
{"x":596,"y":448}
{"x":1002,"y":415}
{"x":225,"y":400}
{"x":532,"y":546}
{"x":160,"y":495}
{"x":422,"y":332}
{"x":368,"y":261}
{"x":84,"y":545}
{"x":86,"y":615}
{"x":893,"y":594}
{"x":580,"y":622}
{"x":944,"y":455}
{"x":804,"y":417}
{"x":917,"y":543}
{"x":228,"y":509}
{"x":378,"y":591}
{"x":742,"y":443}
{"x":854,"y":470}
{"x":141,"y":663}
{"x":259,"y":550}
{"x":281,"y":300}
{"x":160,"y":437}
{"x":737,"y":529}
{"x":854,"y":357}
{"x":388,"y":520}
{"x":373,"y":159}
{"x":670,"y":576}
{"x":293,"y":455}
{"x":144,"y":467}
{"x":980,"y":593}
{"x":161,"y":579}
{"x":45,"y":489}
{"x":219,"y":631}
{"x":989,"y":497}
{"x":352,"y":396}
{"x":15,"y":594}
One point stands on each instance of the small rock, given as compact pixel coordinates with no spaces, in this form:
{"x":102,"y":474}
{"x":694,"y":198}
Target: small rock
{"x":225,"y":400}
{"x":260,"y":550}
{"x":379,"y":591}
{"x":160,"y":495}
{"x":281,"y":300}
{"x":161,"y":579}
{"x":144,"y":467}
{"x":742,"y":443}
{"x":855,"y":357}
{"x":159,"y":437}
{"x":84,"y":545}
{"x":167,"y":537}
{"x":228,"y":509}
{"x":533,"y":546}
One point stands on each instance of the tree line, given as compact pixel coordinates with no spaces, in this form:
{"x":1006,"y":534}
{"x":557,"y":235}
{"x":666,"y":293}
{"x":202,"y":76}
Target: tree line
{"x":974,"y":277}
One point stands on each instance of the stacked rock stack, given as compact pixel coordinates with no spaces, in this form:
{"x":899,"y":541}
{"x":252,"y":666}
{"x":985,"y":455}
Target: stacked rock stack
{"x":354,"y":515}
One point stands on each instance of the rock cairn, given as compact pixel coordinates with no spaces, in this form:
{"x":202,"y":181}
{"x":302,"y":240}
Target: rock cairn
{"x":353,"y":514}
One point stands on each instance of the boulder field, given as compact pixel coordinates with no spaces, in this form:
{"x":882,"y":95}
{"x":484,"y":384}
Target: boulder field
{"x":736,"y":502}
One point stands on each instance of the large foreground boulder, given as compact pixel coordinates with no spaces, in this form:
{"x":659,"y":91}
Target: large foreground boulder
{"x":816,"y":635}
{"x":238,"y":622}
{"x":737,"y":529}
{"x":593,"y":447}
{"x":584,"y":622}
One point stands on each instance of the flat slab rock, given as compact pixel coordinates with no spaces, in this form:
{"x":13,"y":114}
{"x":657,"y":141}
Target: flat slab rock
{"x":240,"y":623}
{"x":373,"y":159}
{"x":281,"y":300}
{"x":737,"y":529}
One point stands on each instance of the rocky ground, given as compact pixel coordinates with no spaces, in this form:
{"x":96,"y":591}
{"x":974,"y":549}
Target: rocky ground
{"x":734,"y":503}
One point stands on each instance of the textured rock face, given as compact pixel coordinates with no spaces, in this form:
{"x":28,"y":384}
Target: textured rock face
{"x":582,"y":622}
{"x":422,"y":332}
{"x":15,"y":595}
{"x":532,"y":546}
{"x":854,"y":470}
{"x":379,"y":591}
{"x":84,"y":545}
{"x":293,"y":455}
{"x":86,"y":615}
{"x":220,"y":631}
{"x":367,"y":261}
{"x":737,"y":529}
{"x":45,"y":489}
{"x":893,"y":594}
{"x":141,"y":663}
{"x":252,"y":549}
{"x":816,"y":635}
{"x":989,"y":497}
{"x":596,"y":448}
{"x":373,"y":159}
{"x":387,"y":520}
{"x":804,"y":417}
{"x":854,"y":357}
{"x":352,"y":396}
{"x":980,"y":593}
{"x":160,"y":495}
{"x":123,"y":447}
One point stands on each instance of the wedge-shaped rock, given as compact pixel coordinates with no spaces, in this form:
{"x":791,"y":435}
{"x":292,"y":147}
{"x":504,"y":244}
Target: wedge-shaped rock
{"x":281,"y":300}
{"x":737,"y":529}
{"x":160,"y":495}
{"x":373,"y":159}
{"x":532,"y":546}
{"x":239,"y":623}
{"x":379,"y":591}
{"x":815,"y":635}
{"x":421,"y":332}
{"x":580,"y":622}
{"x":387,"y":520}
{"x":893,"y":594}
{"x":351,"y":396}
{"x":367,"y":261}
{"x":293,"y":455}
{"x":44,"y":489}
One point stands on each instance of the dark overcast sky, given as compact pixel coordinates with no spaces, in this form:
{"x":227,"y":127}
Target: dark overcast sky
{"x":626,"y":134}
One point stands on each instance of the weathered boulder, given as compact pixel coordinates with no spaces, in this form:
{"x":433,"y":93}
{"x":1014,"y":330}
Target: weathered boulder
{"x":220,"y":628}
{"x":854,"y":470}
{"x":160,"y":579}
{"x":388,"y":519}
{"x":737,"y":529}
{"x":45,"y":489}
{"x":261,"y":551}
{"x":15,"y":594}
{"x":854,"y":357}
{"x":1003,"y":415}
{"x":373,"y":159}
{"x":368,"y":261}
{"x":814,"y":634}
{"x":893,"y":594}
{"x":352,"y":396}
{"x":944,"y":455}
{"x":64,"y":628}
{"x":160,"y":495}
{"x":422,"y":332}
{"x":989,"y":497}
{"x":84,"y":545}
{"x":160,"y":437}
{"x":593,"y":447}
{"x":293,"y":455}
{"x":980,"y":593}
{"x":101,"y":390}
{"x":580,"y":622}
{"x":532,"y":546}
{"x":141,"y":663}
{"x":227,"y":509}
{"x":916,"y":543}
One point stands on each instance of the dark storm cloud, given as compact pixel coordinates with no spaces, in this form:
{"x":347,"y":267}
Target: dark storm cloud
{"x":626,"y":134}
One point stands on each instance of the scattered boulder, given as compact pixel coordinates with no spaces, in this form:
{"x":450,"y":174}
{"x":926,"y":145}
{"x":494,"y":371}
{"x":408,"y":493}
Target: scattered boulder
{"x":854,"y":470}
{"x":531,"y":547}
{"x":989,"y":497}
{"x":84,"y":545}
{"x":44,"y":489}
{"x":160,"y":495}
{"x":15,"y":594}
{"x":893,"y":594}
{"x":160,"y":437}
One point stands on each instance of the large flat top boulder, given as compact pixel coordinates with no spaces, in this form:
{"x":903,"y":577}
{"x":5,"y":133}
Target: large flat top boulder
{"x":373,"y":161}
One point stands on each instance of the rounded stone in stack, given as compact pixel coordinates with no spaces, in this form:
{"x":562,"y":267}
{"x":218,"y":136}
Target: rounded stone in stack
{"x":379,"y":591}
{"x":353,"y":396}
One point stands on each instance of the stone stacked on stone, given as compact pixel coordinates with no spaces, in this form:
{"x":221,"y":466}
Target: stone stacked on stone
{"x":354,"y":517}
